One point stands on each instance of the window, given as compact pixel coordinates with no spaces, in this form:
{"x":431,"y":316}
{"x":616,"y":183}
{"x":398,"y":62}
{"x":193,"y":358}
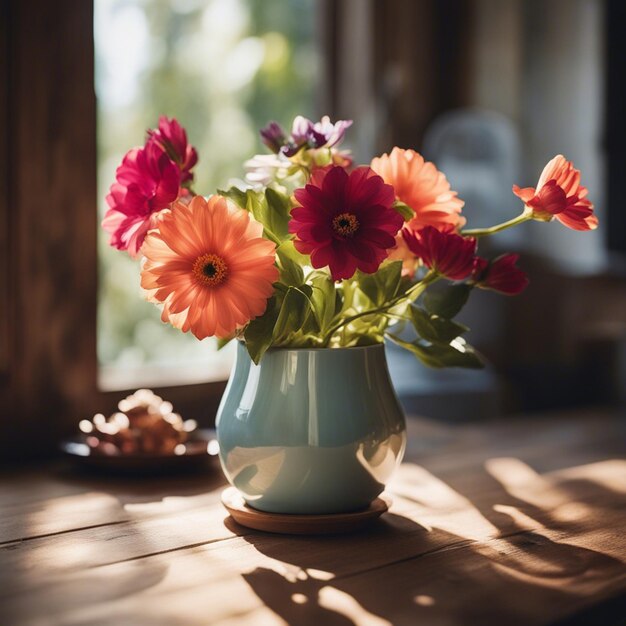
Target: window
{"x":223,"y":68}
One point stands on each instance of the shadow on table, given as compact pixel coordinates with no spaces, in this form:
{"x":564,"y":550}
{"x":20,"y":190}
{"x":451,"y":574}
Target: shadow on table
{"x":400,"y":572}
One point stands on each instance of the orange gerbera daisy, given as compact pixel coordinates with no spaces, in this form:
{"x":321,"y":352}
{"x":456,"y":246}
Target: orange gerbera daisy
{"x":209,"y":266}
{"x":421,"y":186}
{"x":559,"y":195}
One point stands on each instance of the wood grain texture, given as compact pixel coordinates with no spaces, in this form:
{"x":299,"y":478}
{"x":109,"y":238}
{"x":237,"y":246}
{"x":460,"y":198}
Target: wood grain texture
{"x":517,"y":522}
{"x":5,"y":176}
{"x":51,"y":218}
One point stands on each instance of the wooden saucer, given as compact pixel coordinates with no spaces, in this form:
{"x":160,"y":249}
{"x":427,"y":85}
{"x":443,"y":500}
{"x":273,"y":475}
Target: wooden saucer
{"x":290,"y":524}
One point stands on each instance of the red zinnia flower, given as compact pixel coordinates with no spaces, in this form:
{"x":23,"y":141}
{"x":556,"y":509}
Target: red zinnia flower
{"x":559,"y":194}
{"x":443,"y":251}
{"x":345,"y":221}
{"x":501,"y":275}
{"x":146,"y":182}
{"x":171,"y":136}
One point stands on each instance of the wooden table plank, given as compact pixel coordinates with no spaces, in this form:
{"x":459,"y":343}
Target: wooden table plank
{"x":480,"y":529}
{"x":38,"y":504}
{"x":399,"y":539}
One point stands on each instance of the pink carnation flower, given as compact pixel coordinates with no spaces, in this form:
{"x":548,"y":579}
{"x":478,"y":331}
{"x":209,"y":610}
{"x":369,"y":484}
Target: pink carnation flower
{"x":146,"y":182}
{"x":171,"y":136}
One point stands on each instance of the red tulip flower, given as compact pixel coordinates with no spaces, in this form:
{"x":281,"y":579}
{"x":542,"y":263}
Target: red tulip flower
{"x":444,"y":251}
{"x":345,"y":221}
{"x":559,"y":195}
{"x":500,"y":275}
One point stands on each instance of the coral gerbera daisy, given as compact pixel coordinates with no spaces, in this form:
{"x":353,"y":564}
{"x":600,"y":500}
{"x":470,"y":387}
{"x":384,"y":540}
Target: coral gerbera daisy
{"x":421,"y":186}
{"x":345,"y":221}
{"x":559,"y":195}
{"x":209,"y":266}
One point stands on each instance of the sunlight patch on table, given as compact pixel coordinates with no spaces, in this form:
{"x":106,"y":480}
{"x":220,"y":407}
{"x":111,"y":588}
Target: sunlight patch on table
{"x":343,"y":603}
{"x":435,"y":504}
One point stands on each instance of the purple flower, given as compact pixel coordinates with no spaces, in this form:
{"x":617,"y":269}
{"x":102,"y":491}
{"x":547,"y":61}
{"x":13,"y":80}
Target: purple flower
{"x":333,"y":133}
{"x":304,"y":134}
{"x":273,"y":136}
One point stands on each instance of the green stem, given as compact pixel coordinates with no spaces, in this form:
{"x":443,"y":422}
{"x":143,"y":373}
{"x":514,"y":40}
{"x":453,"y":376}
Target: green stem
{"x":480,"y":232}
{"x":412,"y":294}
{"x":356,"y":316}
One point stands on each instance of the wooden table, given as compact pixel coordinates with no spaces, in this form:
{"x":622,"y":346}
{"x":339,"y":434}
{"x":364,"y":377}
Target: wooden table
{"x":519,"y":521}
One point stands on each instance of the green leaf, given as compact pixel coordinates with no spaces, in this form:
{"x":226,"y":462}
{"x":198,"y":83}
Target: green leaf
{"x":404,"y":209}
{"x":370,"y":338}
{"x":257,"y":205}
{"x":222,"y":342}
{"x":458,"y":354}
{"x":260,"y":331}
{"x":272,"y":210}
{"x":417,"y":349}
{"x":296,"y":313}
{"x":280,"y":203}
{"x":324,"y":299}
{"x":446,"y":302}
{"x":238,"y":196}
{"x":290,"y":263}
{"x":274,"y":214}
{"x":339,"y":303}
{"x":435,"y":329}
{"x":381,"y":286}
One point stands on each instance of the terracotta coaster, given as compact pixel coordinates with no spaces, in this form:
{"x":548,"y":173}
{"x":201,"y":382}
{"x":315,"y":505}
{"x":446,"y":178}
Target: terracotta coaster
{"x":299,"y":524}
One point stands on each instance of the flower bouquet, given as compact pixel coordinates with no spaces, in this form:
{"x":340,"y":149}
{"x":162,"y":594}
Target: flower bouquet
{"x":312,"y":263}
{"x":314,"y":251}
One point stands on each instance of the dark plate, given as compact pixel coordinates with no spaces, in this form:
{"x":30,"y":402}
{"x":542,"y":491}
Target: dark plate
{"x":201,"y":453}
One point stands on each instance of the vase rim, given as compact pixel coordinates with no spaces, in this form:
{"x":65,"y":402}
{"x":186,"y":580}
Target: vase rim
{"x":321,"y":349}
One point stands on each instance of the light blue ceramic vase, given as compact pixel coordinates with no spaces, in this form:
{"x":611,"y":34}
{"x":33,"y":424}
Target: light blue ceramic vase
{"x":310,"y":431}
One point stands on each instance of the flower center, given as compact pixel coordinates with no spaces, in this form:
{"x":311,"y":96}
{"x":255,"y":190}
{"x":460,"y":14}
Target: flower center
{"x":345,"y":224}
{"x":210,"y":269}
